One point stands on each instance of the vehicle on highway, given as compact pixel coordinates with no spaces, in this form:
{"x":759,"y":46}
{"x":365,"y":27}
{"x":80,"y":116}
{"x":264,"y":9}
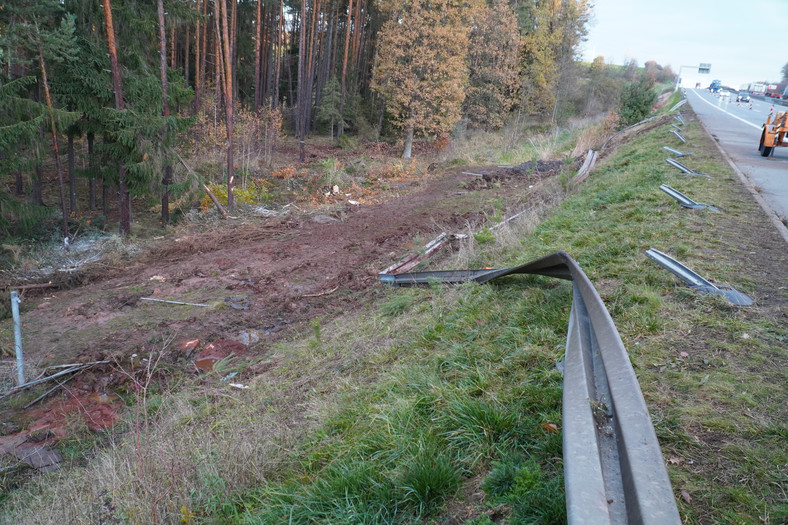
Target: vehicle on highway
{"x":775,"y":133}
{"x":743,"y":96}
{"x":724,"y":93}
{"x":715,"y":86}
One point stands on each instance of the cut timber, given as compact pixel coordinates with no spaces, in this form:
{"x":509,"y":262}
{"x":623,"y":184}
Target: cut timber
{"x":411,"y":261}
{"x":216,"y":202}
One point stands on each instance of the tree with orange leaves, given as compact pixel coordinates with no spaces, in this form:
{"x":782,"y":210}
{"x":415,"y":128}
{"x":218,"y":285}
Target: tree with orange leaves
{"x":421,"y":69}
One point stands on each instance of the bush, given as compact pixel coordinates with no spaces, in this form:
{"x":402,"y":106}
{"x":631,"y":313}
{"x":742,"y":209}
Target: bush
{"x":636,"y":101}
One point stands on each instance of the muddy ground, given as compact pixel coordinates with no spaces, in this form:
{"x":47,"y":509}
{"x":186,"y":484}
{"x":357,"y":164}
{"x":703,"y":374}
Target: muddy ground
{"x":261,"y":278}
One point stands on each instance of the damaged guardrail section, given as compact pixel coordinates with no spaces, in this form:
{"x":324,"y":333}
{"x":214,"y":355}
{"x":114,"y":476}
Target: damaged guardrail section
{"x":613,"y":467}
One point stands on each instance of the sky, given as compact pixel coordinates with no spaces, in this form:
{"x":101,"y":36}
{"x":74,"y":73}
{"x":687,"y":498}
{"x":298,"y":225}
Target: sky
{"x":744,"y":40}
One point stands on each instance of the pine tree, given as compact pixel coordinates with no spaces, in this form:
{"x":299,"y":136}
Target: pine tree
{"x":330,"y":104}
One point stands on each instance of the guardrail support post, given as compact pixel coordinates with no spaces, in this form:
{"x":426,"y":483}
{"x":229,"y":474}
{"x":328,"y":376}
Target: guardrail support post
{"x":20,"y":362}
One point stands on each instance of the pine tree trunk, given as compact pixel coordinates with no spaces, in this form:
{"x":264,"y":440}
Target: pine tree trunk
{"x":186,"y":59}
{"x":197,"y":49}
{"x":228,"y":68}
{"x":53,"y":127}
{"x":279,"y":45}
{"x":36,"y":188}
{"x":167,"y":179}
{"x":341,"y":125}
{"x":72,"y":180}
{"x":301,"y":124}
{"x":173,"y":49}
{"x":92,"y":179}
{"x":258,"y":51}
{"x":125,"y":202}
{"x":310,"y":71}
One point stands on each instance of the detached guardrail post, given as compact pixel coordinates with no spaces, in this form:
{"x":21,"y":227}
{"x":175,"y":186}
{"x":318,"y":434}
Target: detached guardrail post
{"x":20,"y":362}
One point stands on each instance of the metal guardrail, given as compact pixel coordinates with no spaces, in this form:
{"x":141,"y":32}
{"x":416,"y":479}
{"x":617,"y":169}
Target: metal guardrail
{"x":682,"y":167}
{"x":682,"y":139}
{"x":695,"y":280}
{"x":613,"y":467}
{"x":676,"y":152}
{"x":686,"y":201}
{"x":678,"y":104}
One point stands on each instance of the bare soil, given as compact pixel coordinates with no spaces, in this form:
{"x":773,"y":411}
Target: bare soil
{"x":262,"y":278}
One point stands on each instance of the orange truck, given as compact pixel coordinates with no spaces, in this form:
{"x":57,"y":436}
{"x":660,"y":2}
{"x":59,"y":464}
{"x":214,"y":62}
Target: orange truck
{"x":775,"y":133}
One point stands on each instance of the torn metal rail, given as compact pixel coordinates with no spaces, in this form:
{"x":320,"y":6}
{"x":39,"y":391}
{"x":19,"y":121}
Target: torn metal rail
{"x":696,"y":281}
{"x":682,"y":167}
{"x":613,"y":467}
{"x":682,"y":139}
{"x":676,"y":152}
{"x":678,"y":117}
{"x":678,"y":104}
{"x":686,"y":201}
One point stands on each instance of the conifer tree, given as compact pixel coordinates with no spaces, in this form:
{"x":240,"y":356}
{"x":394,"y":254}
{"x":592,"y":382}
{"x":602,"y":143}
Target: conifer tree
{"x":330,"y":104}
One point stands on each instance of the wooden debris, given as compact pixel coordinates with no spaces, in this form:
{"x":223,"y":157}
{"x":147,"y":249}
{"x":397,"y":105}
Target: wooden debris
{"x":171,"y":302}
{"x":411,"y":261}
{"x":322,"y":293}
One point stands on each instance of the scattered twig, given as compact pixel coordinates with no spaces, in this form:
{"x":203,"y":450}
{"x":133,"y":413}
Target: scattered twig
{"x":42,"y":380}
{"x":171,"y":302}
{"x":60,"y":384}
{"x":322,"y":293}
{"x":78,"y":364}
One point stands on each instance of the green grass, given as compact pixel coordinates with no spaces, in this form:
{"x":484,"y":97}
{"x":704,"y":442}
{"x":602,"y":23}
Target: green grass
{"x":436,"y":399}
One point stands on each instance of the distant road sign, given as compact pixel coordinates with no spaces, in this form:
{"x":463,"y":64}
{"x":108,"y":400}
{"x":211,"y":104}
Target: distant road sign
{"x":704,"y":68}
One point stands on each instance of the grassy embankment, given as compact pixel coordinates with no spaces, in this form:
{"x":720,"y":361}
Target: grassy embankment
{"x":443,"y":403}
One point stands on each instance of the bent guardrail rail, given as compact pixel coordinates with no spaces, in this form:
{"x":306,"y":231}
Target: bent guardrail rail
{"x":686,"y":201}
{"x":613,"y":467}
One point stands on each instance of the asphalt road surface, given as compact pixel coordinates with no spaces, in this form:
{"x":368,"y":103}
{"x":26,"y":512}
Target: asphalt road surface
{"x":737,"y":127}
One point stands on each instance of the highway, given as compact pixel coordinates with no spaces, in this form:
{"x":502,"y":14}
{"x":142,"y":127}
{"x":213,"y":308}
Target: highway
{"x":737,"y":127}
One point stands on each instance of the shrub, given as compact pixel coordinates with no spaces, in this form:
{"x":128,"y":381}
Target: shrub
{"x":636,"y":101}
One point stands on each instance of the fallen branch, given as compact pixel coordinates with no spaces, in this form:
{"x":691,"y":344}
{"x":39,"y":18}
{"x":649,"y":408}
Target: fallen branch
{"x":321,"y":293}
{"x":60,"y":384}
{"x":216,"y":202}
{"x":171,"y":302}
{"x":43,"y":380}
{"x":31,"y":286}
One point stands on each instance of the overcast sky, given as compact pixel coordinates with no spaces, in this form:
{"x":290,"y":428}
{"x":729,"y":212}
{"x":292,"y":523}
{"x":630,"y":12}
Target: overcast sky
{"x":744,"y":41}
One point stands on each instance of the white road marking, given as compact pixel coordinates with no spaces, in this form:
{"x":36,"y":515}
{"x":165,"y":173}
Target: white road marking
{"x":726,"y":112}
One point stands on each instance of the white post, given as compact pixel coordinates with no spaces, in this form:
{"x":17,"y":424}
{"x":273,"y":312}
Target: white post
{"x":20,"y":363}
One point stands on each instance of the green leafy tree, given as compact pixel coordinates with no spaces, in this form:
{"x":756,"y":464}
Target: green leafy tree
{"x":422,"y":70}
{"x":552,"y":31}
{"x":493,"y":79}
{"x":636,"y":101}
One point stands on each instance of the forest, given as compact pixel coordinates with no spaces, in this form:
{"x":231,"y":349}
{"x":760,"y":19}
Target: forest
{"x":105,"y":104}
